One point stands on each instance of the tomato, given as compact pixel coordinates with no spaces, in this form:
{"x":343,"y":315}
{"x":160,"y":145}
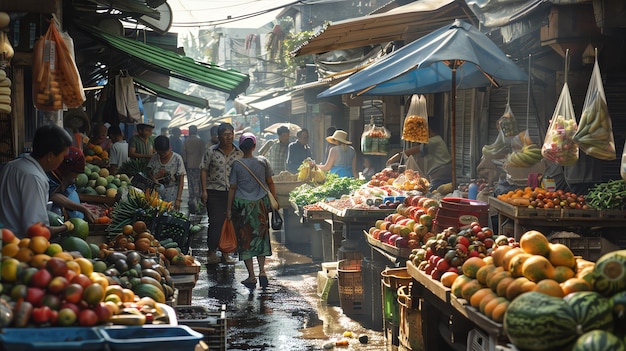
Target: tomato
{"x":38,"y":229}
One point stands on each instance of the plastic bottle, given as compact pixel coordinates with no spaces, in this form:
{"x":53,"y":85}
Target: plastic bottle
{"x":472,"y":191}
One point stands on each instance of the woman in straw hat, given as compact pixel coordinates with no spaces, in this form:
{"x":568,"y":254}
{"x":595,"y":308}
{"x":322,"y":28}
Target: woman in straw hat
{"x":342,"y":156}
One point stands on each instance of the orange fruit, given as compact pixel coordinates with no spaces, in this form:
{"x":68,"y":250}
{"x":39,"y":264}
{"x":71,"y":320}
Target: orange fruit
{"x":561,"y":255}
{"x":479,"y":295}
{"x":39,"y":260}
{"x":24,"y":254}
{"x":38,"y":244}
{"x":497,"y":255}
{"x":549,"y":287}
{"x":472,"y":265}
{"x":10,"y":250}
{"x":562,"y":273}
{"x":140,"y":226}
{"x":24,"y":242}
{"x":537,"y":268}
{"x":575,"y":284}
{"x":127,"y":229}
{"x":534,"y":242}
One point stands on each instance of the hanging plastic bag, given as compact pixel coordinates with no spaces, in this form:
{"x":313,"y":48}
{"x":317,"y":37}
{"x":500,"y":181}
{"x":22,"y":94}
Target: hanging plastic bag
{"x":416,"y":122}
{"x":595,"y":132}
{"x":126,"y":99}
{"x":559,"y":146}
{"x":520,"y":140}
{"x":375,"y":140}
{"x":507,"y":123}
{"x":228,"y":238}
{"x":498,"y":149}
{"x":71,"y":86}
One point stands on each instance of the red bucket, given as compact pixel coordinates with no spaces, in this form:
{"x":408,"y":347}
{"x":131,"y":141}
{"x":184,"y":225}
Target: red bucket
{"x":459,"y":213}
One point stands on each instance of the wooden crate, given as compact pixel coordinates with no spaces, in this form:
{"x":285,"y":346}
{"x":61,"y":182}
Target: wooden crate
{"x":185,"y":284}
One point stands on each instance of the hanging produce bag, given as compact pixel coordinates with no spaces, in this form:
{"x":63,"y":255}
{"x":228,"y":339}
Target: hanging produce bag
{"x":507,"y":123}
{"x":55,"y":77}
{"x":595,"y":132}
{"x":126,"y":99}
{"x":416,"y":122}
{"x":559,"y":146}
{"x":375,"y":140}
{"x":228,"y":238}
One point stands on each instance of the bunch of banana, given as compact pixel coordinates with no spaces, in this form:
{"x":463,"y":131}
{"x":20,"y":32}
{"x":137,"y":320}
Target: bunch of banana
{"x":5,"y":93}
{"x":528,"y":156}
{"x":497,"y":149}
{"x":595,"y":132}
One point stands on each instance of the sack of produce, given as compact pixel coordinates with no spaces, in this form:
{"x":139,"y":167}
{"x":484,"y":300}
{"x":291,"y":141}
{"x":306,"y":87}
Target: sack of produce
{"x":559,"y":146}
{"x":375,"y":140}
{"x":595,"y":132}
{"x":416,"y":122}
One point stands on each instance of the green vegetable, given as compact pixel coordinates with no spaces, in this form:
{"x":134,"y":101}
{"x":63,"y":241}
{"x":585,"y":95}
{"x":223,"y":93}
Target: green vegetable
{"x":334,"y":187}
{"x":608,"y":196}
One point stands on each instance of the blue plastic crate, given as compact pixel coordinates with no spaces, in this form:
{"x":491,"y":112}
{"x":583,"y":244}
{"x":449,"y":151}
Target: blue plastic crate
{"x":151,"y":337}
{"x":52,"y":339}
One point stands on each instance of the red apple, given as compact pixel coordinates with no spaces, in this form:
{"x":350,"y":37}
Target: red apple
{"x":73,"y":293}
{"x":87,"y":318}
{"x":35,"y":296}
{"x":56,"y":266}
{"x":41,"y":278}
{"x":57,"y":285}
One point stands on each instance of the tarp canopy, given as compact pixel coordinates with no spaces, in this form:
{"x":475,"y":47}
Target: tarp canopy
{"x":166,"y":93}
{"x":407,"y":23}
{"x":175,"y":65}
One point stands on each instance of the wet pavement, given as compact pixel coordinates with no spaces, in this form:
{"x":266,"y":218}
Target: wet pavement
{"x":288,"y":314}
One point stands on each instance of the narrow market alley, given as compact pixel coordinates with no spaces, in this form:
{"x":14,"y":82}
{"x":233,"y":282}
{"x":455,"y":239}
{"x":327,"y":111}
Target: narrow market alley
{"x":288,"y":315}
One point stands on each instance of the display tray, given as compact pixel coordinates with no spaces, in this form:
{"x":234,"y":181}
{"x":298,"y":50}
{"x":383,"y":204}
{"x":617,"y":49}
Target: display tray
{"x":429,"y":283}
{"x":184,"y":269}
{"x":550,"y":214}
{"x":403,"y":252}
{"x":351,"y":212}
{"x":315,"y":215}
{"x":96,"y":199}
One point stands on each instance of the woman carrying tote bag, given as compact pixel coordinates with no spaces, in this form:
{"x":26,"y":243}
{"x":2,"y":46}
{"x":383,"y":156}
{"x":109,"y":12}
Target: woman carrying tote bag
{"x":248,"y":207}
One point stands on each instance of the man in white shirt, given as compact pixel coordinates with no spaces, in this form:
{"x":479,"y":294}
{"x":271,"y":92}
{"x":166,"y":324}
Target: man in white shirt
{"x":118,"y":153}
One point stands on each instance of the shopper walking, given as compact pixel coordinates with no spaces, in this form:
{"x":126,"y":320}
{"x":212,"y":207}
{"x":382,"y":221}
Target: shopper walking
{"x":248,"y":206}
{"x":298,"y":151}
{"x":193,"y":149}
{"x":24,"y":184}
{"x":214,"y":172}
{"x":166,"y":168}
{"x":176,"y":141}
{"x":342,"y":156}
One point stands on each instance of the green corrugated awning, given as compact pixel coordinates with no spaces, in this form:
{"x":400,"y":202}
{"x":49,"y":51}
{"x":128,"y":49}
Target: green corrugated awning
{"x":170,"y":94}
{"x":170,"y":63}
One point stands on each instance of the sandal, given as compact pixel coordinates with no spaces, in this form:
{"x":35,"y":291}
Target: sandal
{"x":263,"y":282}
{"x":249,"y":283}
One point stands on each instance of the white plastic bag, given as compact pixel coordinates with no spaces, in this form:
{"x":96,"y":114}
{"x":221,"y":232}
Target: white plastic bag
{"x":416,"y":122}
{"x":559,"y":146}
{"x":595,"y":132}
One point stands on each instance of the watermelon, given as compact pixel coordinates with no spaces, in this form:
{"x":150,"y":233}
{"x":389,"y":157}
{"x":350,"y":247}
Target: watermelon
{"x":618,"y":303}
{"x":536,"y":321}
{"x":598,"y":340}
{"x":591,"y":311}
{"x":609,"y":273}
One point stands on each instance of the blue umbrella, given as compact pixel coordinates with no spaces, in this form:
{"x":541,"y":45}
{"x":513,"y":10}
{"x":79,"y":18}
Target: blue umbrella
{"x":457,"y":56}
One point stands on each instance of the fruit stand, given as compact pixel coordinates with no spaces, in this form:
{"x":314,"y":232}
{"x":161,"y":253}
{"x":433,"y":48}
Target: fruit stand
{"x":524,"y":217}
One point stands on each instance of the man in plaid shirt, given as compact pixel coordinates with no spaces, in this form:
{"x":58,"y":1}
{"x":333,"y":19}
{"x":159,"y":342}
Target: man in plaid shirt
{"x":277,"y":155}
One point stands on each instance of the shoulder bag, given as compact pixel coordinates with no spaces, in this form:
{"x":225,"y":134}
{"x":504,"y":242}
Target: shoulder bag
{"x":277,"y":220}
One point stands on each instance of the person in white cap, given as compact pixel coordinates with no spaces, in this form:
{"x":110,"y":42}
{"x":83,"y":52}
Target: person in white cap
{"x":342,"y":156}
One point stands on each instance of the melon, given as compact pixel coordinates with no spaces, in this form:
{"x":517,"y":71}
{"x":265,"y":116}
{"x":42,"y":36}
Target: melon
{"x":81,"y":228}
{"x":591,"y":311}
{"x":609,"y":273}
{"x":72,"y":243}
{"x":536,"y":321}
{"x":101,"y":190}
{"x":81,"y":180}
{"x":598,"y":340}
{"x":102,"y":181}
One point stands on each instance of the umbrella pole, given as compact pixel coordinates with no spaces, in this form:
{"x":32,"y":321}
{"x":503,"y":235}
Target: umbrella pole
{"x":453,"y":147}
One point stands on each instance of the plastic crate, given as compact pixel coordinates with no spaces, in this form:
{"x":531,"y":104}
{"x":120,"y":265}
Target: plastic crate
{"x":478,"y":341}
{"x":51,"y":339}
{"x":173,"y":227}
{"x":153,"y":337}
{"x":391,"y":280}
{"x":142,"y":182}
{"x":211,"y":324}
{"x":350,"y":286}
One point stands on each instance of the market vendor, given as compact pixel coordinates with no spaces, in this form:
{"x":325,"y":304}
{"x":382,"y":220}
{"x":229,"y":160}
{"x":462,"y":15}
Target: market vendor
{"x":63,"y":193}
{"x":24,"y":184}
{"x":298,"y":151}
{"x":437,"y":159}
{"x":342,"y":156}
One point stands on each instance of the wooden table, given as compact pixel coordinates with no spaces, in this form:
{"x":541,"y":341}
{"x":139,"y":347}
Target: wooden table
{"x":532,"y":218}
{"x":447,"y":320}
